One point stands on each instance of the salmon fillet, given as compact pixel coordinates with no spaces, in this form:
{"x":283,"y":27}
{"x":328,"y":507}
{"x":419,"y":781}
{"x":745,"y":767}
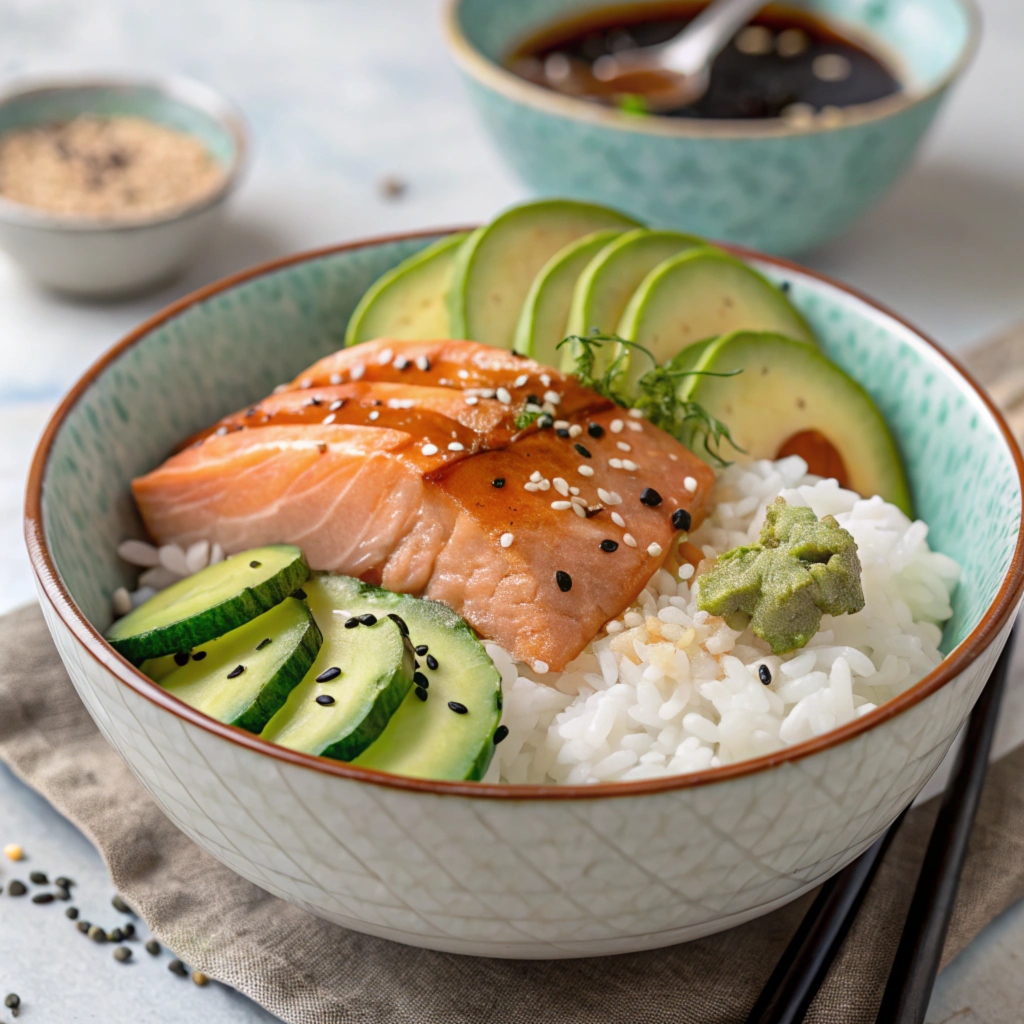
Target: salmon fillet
{"x":418,"y":472}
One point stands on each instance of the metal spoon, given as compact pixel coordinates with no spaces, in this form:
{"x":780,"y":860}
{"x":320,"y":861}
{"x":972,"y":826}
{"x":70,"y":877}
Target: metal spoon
{"x":676,"y":73}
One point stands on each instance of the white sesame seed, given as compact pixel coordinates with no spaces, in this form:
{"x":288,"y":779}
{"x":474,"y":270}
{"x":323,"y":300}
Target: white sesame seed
{"x":121,"y":601}
{"x":549,"y":408}
{"x":634,"y":426}
{"x":400,"y":403}
{"x":580,"y":510}
{"x":357,"y":371}
{"x":532,"y":488}
{"x":623,"y":447}
{"x":522,"y":379}
{"x":629,"y":465}
{"x":472,"y":400}
{"x":401,"y":363}
{"x":545,"y":379}
{"x":690,"y":484}
{"x":686,"y":571}
{"x":561,"y":506}
{"x":615,"y":426}
{"x":329,"y":419}
{"x":385,"y":356}
{"x":553,"y":397}
{"x":545,"y":485}
{"x":422,"y":363}
{"x":585,"y":470}
{"x":506,"y":540}
{"x":540,"y":667}
{"x":487,"y":392}
{"x":637,"y":414}
{"x":615,"y":463}
{"x":535,"y":476}
{"x":614,"y":498}
{"x":305,"y":383}
{"x":603,"y":495}
{"x":561,"y":424}
{"x":374,"y":414}
{"x":280,"y":388}
{"x":533,"y":407}
{"x":336,"y":405}
{"x":463,"y":374}
{"x":577,"y":500}
{"x":654,"y":550}
{"x":574,"y":491}
{"x":335,"y":378}
{"x":503,"y":396}
{"x":221,"y":431}
{"x":618,"y":520}
{"x":575,"y":430}
{"x":430,"y":449}
{"x":629,"y":540}
{"x":455,"y":433}
{"x":673,"y":456}
{"x":455,"y":446}
{"x":561,"y":486}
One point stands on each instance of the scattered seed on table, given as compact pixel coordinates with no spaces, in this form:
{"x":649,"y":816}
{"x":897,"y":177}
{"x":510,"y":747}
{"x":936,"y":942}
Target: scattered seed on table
{"x":564,"y":581}
{"x":681,"y":519}
{"x":71,"y":913}
{"x":115,"y":936}
{"x":122,"y":954}
{"x":97,"y":934}
{"x":325,"y":700}
{"x":500,"y":733}
{"x":43,"y":897}
{"x":118,"y":903}
{"x":328,"y":674}
{"x":764,"y":673}
{"x":459,"y":709}
{"x":60,"y":893}
{"x":432,"y":663}
{"x":38,"y":878}
{"x":64,"y":883}
{"x":16,"y":888}
{"x":83,"y":927}
{"x":199,"y":978}
{"x":128,"y":930}
{"x":13,"y":1001}
{"x":12,"y":851}
{"x":153,"y":947}
{"x":177,"y":967}
{"x":422,"y":649}
{"x":368,"y":619}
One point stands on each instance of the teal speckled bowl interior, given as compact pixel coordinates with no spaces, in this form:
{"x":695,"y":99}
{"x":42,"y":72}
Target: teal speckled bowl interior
{"x":225,"y":348}
{"x":765,"y":184}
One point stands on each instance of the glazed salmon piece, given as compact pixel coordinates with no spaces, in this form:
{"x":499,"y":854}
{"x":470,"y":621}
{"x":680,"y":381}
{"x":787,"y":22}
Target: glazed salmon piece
{"x":387,"y":501}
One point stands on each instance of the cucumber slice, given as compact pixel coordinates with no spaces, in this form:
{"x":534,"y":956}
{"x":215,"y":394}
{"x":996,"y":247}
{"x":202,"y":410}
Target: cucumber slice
{"x":427,"y":739}
{"x":410,"y":302}
{"x":210,"y":603}
{"x":275,"y":650}
{"x":376,"y":667}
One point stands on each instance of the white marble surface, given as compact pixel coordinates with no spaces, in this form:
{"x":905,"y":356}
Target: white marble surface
{"x":341,"y":93}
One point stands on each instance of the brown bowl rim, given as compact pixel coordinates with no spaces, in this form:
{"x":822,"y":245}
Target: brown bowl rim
{"x":53,"y":590}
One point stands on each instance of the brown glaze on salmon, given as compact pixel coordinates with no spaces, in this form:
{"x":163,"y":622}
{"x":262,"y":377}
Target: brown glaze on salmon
{"x":420,"y":478}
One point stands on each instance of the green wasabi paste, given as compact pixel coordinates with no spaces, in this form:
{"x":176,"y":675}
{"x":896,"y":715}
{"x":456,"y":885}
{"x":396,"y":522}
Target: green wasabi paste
{"x":802,"y":568}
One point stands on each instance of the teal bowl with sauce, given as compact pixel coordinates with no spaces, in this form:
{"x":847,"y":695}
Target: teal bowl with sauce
{"x":772,"y":184}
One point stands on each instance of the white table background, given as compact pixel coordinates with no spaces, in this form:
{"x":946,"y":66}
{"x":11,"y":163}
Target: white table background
{"x":339,"y":94}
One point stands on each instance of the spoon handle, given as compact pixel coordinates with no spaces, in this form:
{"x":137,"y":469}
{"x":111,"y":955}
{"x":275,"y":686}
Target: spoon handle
{"x":707,"y":35}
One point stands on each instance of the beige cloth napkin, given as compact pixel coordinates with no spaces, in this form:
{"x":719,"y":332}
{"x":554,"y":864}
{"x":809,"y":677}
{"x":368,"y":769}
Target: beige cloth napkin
{"x":310,"y":972}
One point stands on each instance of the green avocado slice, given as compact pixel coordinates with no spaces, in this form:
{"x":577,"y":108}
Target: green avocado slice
{"x":496,"y":265}
{"x":791,"y":399}
{"x":410,"y":301}
{"x":543,"y":318}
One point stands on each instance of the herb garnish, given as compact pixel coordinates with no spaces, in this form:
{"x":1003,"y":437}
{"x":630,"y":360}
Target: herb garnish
{"x":527,"y":418}
{"x":657,"y":392}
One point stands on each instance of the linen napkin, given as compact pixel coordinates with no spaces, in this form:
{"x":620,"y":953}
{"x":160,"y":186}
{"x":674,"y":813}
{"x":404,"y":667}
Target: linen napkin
{"x":307,"y":971}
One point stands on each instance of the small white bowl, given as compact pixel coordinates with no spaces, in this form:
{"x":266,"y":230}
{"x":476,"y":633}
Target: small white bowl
{"x":101,"y":257}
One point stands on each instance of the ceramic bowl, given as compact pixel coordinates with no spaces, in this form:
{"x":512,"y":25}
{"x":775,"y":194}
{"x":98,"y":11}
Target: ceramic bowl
{"x":497,"y":870}
{"x":99,"y":256}
{"x":770,"y":185}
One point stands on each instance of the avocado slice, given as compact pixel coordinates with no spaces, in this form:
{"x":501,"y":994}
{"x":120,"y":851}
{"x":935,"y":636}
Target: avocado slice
{"x":542,"y":320}
{"x":243,"y":677}
{"x":496,"y":265}
{"x":791,"y":399}
{"x":361,"y":675}
{"x":697,"y":295}
{"x":410,"y":301}
{"x":426,"y":738}
{"x":604,"y":288}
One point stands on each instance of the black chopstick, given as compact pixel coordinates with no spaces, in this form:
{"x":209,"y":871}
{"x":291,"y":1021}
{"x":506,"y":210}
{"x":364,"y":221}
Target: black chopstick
{"x":916,"y":966}
{"x":803,"y":966}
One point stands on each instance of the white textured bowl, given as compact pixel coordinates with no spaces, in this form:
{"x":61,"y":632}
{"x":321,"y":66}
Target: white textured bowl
{"x":494,"y":870}
{"x":103,"y":257}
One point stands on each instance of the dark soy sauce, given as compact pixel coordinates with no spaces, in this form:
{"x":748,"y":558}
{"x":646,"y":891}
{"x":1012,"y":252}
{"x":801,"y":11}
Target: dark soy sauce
{"x":786,"y":63}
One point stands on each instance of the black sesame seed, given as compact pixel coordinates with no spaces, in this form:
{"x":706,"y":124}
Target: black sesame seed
{"x":564,"y":581}
{"x":546,"y":421}
{"x":199,"y":655}
{"x":431,"y":662}
{"x":236,"y":672}
{"x":421,"y":692}
{"x":399,"y":622}
{"x":595,"y":430}
{"x":420,"y":679}
{"x":533,"y":399}
{"x":562,"y":432}
{"x":422,"y":649}
{"x":263,"y":643}
{"x":764,"y":673}
{"x":177,"y":967}
{"x":153,"y":947}
{"x":38,"y":878}
{"x":368,"y":619}
{"x":459,"y":709}
{"x":43,"y":897}
{"x":71,"y":913}
{"x":299,"y":593}
{"x":325,"y":700}
{"x":328,"y":674}
{"x":122,"y":954}
{"x":681,"y":519}
{"x":650,"y":497}
{"x":498,"y":700}
{"x":498,"y":482}
{"x":83,"y":927}
{"x":351,"y":623}
{"x":16,"y":888}
{"x":784,"y":287}
{"x":251,"y":411}
{"x":181,"y":658}
{"x":583,"y":451}
{"x":254,"y":564}
{"x":425,"y":365}
{"x":500,"y":733}
{"x":609,"y":545}
{"x":13,"y":1001}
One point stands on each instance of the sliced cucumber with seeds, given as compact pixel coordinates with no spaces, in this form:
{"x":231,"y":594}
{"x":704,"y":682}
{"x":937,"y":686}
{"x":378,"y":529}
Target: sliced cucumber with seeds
{"x":358,"y":680}
{"x":210,"y":603}
{"x":428,"y":738}
{"x":244,"y":677}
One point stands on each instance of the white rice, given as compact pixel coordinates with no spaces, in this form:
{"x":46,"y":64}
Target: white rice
{"x":666,"y":688}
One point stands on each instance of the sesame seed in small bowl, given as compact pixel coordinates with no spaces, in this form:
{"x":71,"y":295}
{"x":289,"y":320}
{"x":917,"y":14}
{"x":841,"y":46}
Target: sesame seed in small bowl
{"x":109,"y":185}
